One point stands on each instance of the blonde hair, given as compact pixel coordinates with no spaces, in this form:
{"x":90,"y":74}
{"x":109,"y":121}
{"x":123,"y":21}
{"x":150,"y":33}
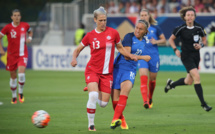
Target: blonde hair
{"x":151,"y":19}
{"x":99,"y":11}
{"x":184,"y":10}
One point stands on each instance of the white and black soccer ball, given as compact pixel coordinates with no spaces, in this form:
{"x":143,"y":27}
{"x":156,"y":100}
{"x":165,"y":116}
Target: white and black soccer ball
{"x":40,"y":118}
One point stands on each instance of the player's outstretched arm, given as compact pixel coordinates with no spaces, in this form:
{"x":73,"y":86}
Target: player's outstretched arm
{"x":2,"y":52}
{"x":145,"y":57}
{"x":124,"y":52}
{"x":75,"y":54}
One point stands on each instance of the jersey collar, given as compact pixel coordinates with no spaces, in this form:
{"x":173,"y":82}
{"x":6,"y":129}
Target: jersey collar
{"x":13,"y":24}
{"x":190,"y":27}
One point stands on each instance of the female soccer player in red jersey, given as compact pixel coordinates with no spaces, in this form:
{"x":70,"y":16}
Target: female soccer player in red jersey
{"x":17,"y":53}
{"x":99,"y":70}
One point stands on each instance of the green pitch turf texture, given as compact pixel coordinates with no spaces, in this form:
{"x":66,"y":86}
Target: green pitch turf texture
{"x":61,"y":95}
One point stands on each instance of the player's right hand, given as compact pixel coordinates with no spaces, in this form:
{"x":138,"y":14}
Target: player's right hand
{"x":74,"y":63}
{"x":133,"y":57}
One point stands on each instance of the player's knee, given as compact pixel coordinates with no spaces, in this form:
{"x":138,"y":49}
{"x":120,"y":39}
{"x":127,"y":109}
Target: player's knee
{"x":103,"y":104}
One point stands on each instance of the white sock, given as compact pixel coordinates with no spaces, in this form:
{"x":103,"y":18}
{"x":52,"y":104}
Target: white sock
{"x":91,"y":107}
{"x":13,"y":85}
{"x":21,"y":82}
{"x":102,"y":103}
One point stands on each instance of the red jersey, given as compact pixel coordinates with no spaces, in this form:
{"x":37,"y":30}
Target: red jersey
{"x":102,"y":46}
{"x":16,"y":36}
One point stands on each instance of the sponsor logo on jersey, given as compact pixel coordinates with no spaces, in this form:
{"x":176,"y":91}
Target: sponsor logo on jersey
{"x":22,"y":29}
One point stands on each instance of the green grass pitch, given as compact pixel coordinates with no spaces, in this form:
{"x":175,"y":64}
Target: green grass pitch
{"x":61,"y":95}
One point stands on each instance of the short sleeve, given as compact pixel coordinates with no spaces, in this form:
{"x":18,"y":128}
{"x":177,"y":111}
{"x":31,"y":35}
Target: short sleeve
{"x":117,"y":39}
{"x":28,"y":27}
{"x":203,"y":32}
{"x":127,"y":41}
{"x":159,"y":31}
{"x":177,"y":31}
{"x":4,"y":31}
{"x":85,"y":40}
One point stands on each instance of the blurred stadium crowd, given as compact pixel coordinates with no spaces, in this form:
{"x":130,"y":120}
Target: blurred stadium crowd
{"x":159,"y":6}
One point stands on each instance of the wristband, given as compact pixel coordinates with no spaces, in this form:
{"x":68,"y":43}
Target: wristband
{"x":30,"y":38}
{"x":202,"y":45}
{"x":175,"y":49}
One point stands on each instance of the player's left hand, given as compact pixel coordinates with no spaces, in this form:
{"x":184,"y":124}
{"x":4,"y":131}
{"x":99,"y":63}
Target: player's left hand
{"x":153,"y":41}
{"x":28,"y":41}
{"x":197,"y":46}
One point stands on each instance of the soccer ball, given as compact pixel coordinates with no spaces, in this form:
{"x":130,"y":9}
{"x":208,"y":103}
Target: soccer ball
{"x":40,"y":118}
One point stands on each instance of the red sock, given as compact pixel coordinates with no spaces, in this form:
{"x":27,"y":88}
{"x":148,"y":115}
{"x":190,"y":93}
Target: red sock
{"x":114,"y":103}
{"x":143,"y":87}
{"x":120,"y":107}
{"x":151,"y":88}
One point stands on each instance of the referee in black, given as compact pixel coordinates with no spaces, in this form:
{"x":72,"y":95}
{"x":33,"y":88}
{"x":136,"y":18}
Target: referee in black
{"x":190,"y":34}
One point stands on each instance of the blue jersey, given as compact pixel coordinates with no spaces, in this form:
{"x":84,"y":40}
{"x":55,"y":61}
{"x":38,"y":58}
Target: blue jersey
{"x":126,"y":69}
{"x":150,"y":49}
{"x":137,"y":48}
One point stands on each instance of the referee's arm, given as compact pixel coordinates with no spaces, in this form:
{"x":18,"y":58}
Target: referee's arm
{"x":172,"y":44}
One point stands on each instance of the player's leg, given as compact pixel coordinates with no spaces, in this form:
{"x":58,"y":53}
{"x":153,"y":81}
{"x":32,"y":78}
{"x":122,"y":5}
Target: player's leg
{"x":21,"y":79}
{"x":105,"y":85}
{"x":13,"y":86}
{"x":126,"y":87}
{"x":22,"y":63}
{"x":152,"y":83}
{"x":91,"y":104}
{"x":153,"y":69}
{"x":198,"y":88}
{"x":144,"y":86}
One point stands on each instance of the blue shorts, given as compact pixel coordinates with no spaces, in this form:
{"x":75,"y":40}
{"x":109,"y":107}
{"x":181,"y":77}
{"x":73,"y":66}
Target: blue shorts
{"x":120,"y":75}
{"x":153,"y":65}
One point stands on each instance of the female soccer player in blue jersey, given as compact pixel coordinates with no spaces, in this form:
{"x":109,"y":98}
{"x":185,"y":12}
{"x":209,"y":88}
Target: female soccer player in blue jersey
{"x":155,"y":36}
{"x":125,"y":72}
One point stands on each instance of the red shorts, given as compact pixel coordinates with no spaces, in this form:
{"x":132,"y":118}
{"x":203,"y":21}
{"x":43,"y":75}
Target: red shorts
{"x":14,"y":61}
{"x":104,"y":81}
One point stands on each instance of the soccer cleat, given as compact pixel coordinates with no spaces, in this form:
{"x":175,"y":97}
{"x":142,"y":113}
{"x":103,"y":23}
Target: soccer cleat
{"x":124,"y":125}
{"x":92,"y":128}
{"x":21,"y":98}
{"x":150,"y":103}
{"x":85,"y":89}
{"x":146,"y":105}
{"x":115,"y":124}
{"x":14,"y":101}
{"x":168,"y":85}
{"x":206,"y":107}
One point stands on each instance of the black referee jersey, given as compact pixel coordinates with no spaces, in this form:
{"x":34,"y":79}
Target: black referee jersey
{"x":189,"y":36}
